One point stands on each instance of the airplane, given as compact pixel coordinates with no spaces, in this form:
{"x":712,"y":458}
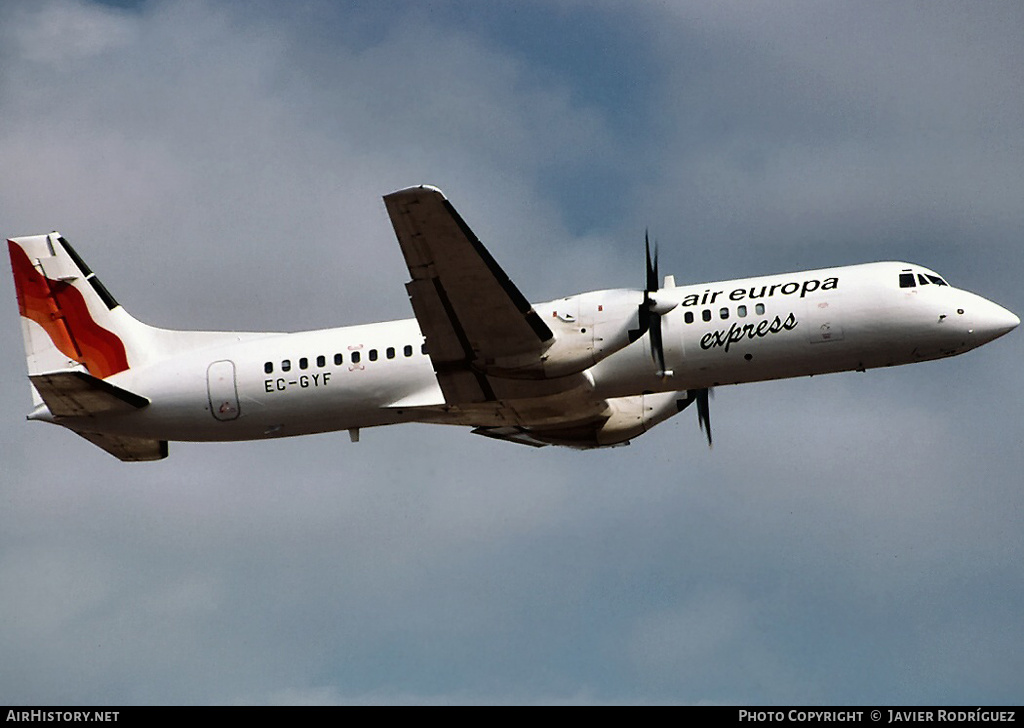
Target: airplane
{"x":590,"y":370}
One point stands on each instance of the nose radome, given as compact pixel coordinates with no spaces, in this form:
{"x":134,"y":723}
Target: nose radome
{"x":1011,"y":321}
{"x":992,"y":320}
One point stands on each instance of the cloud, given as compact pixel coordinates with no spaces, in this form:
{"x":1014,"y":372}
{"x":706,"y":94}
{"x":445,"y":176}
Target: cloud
{"x":246,"y":136}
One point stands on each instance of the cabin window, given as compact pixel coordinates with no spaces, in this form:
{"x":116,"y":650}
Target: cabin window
{"x":338,"y":359}
{"x":906,"y":280}
{"x":321,"y":361}
{"x":724,"y":313}
{"x":407,"y":350}
{"x":759,"y":309}
{"x":355,"y":357}
{"x":373,"y":355}
{"x":741,"y":311}
{"x":705,"y":314}
{"x":268,"y":367}
{"x":688,"y":317}
{"x":423,"y":348}
{"x":286,"y":365}
{"x":390,"y":352}
{"x":303,"y":363}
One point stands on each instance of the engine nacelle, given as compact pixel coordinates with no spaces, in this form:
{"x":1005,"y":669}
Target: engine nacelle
{"x":628,"y":417}
{"x":633,"y":416}
{"x":588,"y":328}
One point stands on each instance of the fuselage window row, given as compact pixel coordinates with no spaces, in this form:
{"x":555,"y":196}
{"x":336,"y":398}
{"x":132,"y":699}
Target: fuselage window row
{"x":339,"y":359}
{"x":707,"y":315}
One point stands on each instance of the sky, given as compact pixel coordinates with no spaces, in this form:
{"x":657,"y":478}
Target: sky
{"x":851,"y":539}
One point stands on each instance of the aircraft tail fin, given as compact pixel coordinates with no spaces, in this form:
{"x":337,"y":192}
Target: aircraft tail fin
{"x":69,"y":320}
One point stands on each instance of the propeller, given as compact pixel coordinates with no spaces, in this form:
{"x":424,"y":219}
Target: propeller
{"x":649,"y":315}
{"x":650,"y":311}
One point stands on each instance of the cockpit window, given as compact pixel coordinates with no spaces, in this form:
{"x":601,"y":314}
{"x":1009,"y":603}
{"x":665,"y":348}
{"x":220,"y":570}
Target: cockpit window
{"x":907,"y":280}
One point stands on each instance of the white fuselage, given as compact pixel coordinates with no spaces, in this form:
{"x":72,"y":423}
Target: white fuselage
{"x":252,"y":386}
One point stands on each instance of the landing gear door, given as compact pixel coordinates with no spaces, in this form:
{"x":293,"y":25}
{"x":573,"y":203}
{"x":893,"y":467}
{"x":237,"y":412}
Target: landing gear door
{"x":222,"y":390}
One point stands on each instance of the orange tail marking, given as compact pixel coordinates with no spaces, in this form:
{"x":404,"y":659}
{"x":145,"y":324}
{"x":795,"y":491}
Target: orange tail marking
{"x":63,"y":313}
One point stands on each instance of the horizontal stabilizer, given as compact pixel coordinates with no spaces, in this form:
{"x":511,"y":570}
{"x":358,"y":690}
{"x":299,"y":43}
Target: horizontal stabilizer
{"x":128,"y":449}
{"x":77,"y":394}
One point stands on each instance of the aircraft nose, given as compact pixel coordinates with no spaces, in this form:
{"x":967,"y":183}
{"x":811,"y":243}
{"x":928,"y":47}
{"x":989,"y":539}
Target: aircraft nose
{"x":992,"y":320}
{"x":1010,"y":321}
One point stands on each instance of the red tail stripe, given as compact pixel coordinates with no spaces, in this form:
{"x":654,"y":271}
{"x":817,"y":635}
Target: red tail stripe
{"x":63,"y":313}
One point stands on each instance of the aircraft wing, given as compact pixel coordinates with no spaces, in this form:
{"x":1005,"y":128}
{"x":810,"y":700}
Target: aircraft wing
{"x":473,"y":317}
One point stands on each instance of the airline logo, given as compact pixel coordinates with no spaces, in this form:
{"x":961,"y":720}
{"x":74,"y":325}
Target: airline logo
{"x":61,"y":310}
{"x":741,"y":294}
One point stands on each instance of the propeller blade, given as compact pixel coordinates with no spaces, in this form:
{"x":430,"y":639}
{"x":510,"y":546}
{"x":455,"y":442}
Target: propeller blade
{"x":704,"y":413}
{"x":652,"y":267}
{"x":644,"y":313}
{"x":657,"y":345}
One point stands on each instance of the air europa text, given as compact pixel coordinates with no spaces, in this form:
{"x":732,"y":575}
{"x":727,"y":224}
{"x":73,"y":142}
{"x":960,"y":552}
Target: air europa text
{"x":765,"y":291}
